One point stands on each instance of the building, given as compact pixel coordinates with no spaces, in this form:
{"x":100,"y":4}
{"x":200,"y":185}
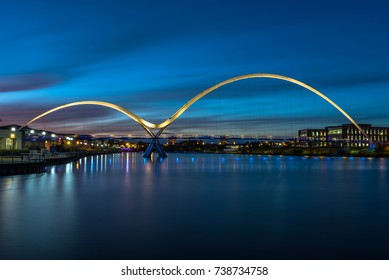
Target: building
{"x":345,"y":135}
{"x":312,"y":137}
{"x":11,"y":138}
{"x":15,"y":137}
{"x":40,"y":140}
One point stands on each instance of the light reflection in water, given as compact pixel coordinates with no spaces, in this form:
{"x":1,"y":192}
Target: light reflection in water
{"x":128,"y":163}
{"x":131,"y":201}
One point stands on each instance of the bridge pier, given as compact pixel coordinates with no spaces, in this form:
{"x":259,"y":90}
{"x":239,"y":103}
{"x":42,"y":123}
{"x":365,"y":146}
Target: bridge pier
{"x":158,"y":146}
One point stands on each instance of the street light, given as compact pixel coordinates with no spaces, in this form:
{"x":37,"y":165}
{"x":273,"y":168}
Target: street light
{"x":13,"y":129}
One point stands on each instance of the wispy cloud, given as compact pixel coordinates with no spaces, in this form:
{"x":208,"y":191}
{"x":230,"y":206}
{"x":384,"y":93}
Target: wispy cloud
{"x":28,"y":82}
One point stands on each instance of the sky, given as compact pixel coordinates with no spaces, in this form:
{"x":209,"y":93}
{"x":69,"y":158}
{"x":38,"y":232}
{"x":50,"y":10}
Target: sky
{"x":151,"y":57}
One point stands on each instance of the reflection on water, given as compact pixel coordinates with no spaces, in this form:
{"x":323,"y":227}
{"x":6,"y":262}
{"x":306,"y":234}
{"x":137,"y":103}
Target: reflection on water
{"x":11,"y":182}
{"x":123,"y":206}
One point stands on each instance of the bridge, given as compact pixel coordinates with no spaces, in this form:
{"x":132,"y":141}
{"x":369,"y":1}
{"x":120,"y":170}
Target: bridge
{"x":159,"y":128}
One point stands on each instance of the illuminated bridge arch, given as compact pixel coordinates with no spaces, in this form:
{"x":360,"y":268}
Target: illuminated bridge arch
{"x":162,"y":126}
{"x":145,"y":124}
{"x":180,"y":111}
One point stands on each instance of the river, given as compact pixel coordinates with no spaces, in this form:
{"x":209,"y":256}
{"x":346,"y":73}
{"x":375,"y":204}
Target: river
{"x":198,"y":206}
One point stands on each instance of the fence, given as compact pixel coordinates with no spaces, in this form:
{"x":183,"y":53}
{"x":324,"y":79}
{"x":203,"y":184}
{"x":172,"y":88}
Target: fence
{"x":34,"y":158}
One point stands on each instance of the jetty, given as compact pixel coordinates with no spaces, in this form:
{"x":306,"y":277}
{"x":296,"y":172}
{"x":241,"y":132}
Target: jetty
{"x":34,"y":163}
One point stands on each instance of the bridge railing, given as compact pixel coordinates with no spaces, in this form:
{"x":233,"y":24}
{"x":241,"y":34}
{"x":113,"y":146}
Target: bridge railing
{"x":34,"y":157}
{"x":21,"y":158}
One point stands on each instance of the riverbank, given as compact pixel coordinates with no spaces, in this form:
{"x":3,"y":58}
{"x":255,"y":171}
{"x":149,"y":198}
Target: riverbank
{"x":27,"y":163}
{"x":286,"y":149}
{"x":327,"y":152}
{"x":255,"y":149}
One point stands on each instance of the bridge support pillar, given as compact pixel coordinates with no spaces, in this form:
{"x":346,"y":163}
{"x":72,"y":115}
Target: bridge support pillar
{"x":158,"y":146}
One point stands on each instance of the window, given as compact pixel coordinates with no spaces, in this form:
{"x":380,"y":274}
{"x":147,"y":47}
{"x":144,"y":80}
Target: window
{"x":334,"y":131}
{"x":9,"y":144}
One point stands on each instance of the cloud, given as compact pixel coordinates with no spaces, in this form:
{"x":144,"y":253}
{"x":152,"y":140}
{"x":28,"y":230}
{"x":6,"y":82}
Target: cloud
{"x":28,"y":82}
{"x":351,"y":80}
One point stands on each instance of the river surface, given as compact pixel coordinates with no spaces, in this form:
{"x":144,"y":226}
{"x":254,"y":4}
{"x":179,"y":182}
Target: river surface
{"x":198,"y":206}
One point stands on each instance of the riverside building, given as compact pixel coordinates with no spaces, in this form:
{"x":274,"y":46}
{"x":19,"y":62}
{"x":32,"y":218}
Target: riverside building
{"x":345,"y":135}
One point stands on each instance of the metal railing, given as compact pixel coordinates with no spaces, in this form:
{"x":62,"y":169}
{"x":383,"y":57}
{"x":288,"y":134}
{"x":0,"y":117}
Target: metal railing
{"x":21,"y":158}
{"x":34,"y":157}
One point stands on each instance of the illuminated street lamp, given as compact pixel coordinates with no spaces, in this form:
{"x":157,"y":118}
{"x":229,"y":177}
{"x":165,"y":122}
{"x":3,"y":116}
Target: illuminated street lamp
{"x":13,"y":129}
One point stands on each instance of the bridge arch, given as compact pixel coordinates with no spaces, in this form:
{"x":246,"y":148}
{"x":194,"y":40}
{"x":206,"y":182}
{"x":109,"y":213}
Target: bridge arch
{"x":145,"y":124}
{"x":185,"y":107}
{"x":162,"y":126}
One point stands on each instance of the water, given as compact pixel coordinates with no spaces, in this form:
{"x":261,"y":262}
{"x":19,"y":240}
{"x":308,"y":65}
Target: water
{"x":196,"y":206}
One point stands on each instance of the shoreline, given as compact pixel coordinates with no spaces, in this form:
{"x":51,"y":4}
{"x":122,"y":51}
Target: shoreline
{"x":37,"y":163}
{"x":285,"y":155}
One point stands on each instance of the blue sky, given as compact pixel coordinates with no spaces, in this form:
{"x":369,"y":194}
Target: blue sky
{"x":152,"y":56}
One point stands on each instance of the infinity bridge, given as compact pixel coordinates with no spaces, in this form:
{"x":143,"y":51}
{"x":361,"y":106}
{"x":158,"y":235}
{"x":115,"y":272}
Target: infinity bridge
{"x":148,"y":126}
